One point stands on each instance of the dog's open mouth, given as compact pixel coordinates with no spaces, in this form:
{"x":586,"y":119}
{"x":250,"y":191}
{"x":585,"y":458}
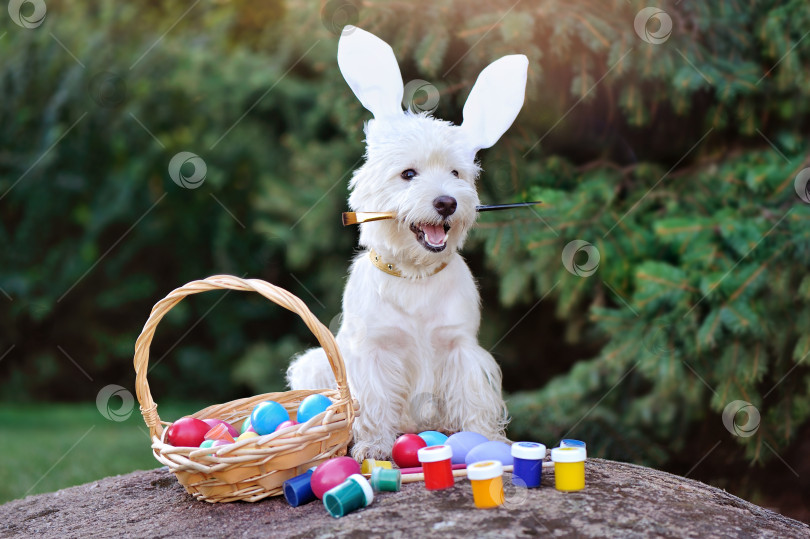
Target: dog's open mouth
{"x":431,"y":237}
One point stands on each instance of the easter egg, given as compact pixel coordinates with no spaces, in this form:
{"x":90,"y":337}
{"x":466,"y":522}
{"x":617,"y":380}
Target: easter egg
{"x":267,"y":416}
{"x":405,"y":449}
{"x":187,"y":432}
{"x":499,"y":451}
{"x":207,"y":443}
{"x":312,"y":406}
{"x":332,"y":473}
{"x":462,"y":442}
{"x":246,"y":426}
{"x":285,"y":424}
{"x":214,"y":422}
{"x":218,"y":443}
{"x":246,"y":435}
{"x":432,"y":437}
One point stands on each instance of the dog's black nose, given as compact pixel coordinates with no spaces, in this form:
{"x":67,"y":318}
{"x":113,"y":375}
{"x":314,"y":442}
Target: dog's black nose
{"x":445,"y":205}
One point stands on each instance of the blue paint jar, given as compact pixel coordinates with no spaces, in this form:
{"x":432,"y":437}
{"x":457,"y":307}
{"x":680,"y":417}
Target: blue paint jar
{"x":528,"y":464}
{"x":298,"y":490}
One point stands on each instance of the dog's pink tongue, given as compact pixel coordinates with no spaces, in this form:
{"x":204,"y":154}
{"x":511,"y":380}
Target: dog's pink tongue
{"x":435,"y":234}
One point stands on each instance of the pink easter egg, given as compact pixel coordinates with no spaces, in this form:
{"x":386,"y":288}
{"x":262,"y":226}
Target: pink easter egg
{"x":332,"y":473}
{"x":214,"y":422}
{"x":285,"y":424}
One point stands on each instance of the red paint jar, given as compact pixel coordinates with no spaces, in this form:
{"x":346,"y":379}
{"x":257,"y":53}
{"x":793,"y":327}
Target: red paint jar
{"x":437,"y":467}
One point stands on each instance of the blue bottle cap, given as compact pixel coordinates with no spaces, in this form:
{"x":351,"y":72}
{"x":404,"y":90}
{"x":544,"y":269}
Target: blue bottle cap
{"x":298,"y":490}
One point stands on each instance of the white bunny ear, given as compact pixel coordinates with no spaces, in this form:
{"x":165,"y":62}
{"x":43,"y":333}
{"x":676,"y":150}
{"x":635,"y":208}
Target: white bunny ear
{"x":494,"y":101}
{"x":369,"y":66}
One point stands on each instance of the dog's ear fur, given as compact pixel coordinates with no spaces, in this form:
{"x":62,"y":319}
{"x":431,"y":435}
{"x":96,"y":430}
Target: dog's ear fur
{"x":369,"y":66}
{"x":494,"y":102}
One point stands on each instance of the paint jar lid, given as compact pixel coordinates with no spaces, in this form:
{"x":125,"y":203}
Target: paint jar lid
{"x":435,"y":453}
{"x":485,"y":469}
{"x":568,"y":454}
{"x":364,"y":484}
{"x":370,"y":464}
{"x":528,"y":450}
{"x":385,"y":480}
{"x":568,"y":442}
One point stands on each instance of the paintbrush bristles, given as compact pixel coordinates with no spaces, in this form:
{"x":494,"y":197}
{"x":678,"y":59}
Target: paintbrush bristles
{"x":355,"y":218}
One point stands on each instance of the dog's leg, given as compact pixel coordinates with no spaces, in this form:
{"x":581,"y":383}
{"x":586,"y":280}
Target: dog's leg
{"x":311,"y":370}
{"x":470,"y":384}
{"x":379,"y":379}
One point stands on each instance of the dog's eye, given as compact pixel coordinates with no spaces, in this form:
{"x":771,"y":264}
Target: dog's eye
{"x":408,"y":174}
{"x":454,"y":173}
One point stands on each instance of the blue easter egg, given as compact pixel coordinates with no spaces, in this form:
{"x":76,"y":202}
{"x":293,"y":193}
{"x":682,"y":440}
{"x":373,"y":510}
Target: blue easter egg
{"x":267,"y":416}
{"x":490,"y":451}
{"x":462,"y":442}
{"x":432,"y":437}
{"x":312,"y":406}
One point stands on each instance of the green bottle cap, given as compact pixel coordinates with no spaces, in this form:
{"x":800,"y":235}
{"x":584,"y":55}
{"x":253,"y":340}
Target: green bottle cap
{"x":383,"y":480}
{"x":354,"y":493}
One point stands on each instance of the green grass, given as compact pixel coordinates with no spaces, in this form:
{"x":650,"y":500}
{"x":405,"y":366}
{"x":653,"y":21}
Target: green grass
{"x":48,"y":447}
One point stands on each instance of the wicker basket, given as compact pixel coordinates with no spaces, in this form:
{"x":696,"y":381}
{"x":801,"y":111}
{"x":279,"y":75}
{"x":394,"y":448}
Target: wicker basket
{"x":255,"y":468}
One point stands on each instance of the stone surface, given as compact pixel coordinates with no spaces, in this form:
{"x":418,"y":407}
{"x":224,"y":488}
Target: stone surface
{"x":620,"y":500}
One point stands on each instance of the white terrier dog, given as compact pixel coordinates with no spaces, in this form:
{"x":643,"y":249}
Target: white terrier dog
{"x":411,"y":309}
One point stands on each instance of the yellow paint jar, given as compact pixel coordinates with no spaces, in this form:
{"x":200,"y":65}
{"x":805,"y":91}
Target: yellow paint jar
{"x":569,"y":467}
{"x":370,"y":464}
{"x":486,"y":477}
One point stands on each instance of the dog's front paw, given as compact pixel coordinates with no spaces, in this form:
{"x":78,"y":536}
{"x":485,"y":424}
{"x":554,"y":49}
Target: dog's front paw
{"x":365,"y":450}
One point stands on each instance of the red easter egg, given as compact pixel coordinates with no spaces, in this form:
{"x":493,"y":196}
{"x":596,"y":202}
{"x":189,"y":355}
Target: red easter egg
{"x":187,"y":432}
{"x":405,"y":449}
{"x":285,"y":424}
{"x":214,"y":422}
{"x":331,"y":474}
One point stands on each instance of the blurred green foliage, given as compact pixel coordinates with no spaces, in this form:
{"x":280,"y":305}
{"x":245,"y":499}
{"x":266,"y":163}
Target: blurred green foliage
{"x":658,"y":155}
{"x":47,"y":447}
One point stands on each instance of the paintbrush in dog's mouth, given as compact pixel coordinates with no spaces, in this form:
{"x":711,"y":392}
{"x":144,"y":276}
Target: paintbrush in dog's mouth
{"x":355,"y":218}
{"x":431,"y":237}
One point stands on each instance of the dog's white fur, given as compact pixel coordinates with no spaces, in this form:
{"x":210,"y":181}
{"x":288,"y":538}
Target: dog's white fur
{"x":410,"y":343}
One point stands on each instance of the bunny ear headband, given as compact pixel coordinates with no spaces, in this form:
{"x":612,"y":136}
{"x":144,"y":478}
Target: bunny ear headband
{"x":370,"y":68}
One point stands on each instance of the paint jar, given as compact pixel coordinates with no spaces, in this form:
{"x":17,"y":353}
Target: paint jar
{"x":487,"y":483}
{"x":298,"y":490}
{"x":370,"y":464}
{"x":438,"y":469}
{"x":384,"y":480}
{"x":569,"y":467}
{"x":568,"y":442}
{"x":351,"y":495}
{"x":528,"y":464}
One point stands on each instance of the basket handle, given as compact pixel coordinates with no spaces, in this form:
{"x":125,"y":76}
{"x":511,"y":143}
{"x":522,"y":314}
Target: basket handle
{"x":220,"y":282}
